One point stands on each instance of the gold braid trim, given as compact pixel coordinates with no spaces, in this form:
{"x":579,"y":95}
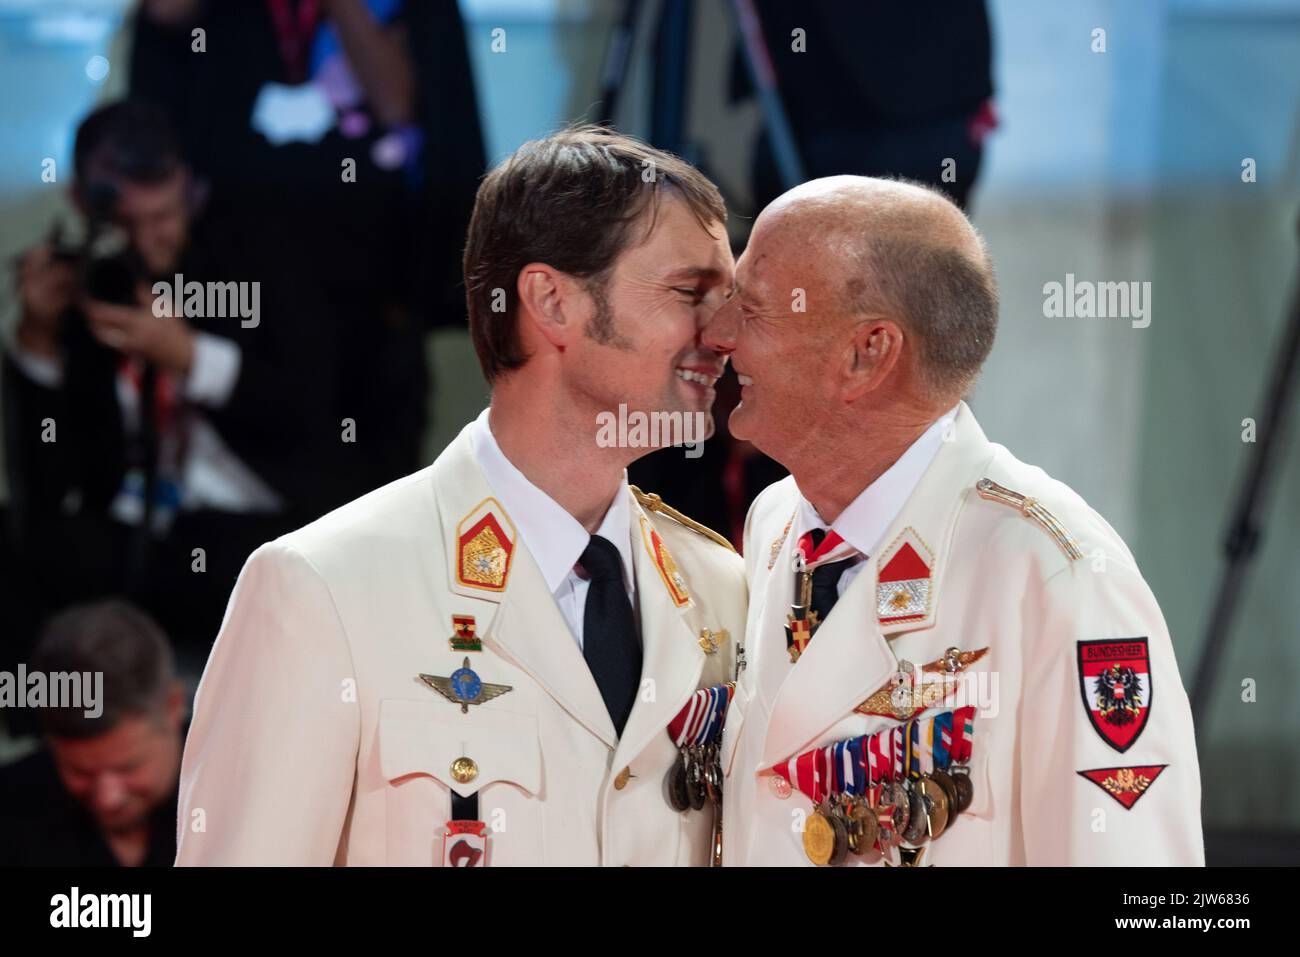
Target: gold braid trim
{"x":653,"y":503}
{"x":1030,"y":508}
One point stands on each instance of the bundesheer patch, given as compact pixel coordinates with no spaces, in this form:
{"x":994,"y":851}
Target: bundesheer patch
{"x":1115,"y":679}
{"x":1125,"y":785}
{"x":903,"y":584}
{"x":673,"y":580}
{"x":485,"y":545}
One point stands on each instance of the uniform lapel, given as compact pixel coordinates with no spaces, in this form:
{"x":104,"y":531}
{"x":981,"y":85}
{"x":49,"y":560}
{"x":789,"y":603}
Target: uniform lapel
{"x":769,"y":657}
{"x":672,"y":658}
{"x":527,"y":627}
{"x":929,"y":518}
{"x":849,"y":657}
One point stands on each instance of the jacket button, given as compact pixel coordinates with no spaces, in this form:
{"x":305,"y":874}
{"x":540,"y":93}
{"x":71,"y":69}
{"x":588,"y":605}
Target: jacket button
{"x":620,"y":782}
{"x":464,"y":770}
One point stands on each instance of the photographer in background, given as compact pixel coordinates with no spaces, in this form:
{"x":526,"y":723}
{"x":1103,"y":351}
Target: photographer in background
{"x":140,"y":429}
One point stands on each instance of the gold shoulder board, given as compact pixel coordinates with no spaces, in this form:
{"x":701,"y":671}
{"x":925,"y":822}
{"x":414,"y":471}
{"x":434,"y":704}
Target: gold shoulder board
{"x":653,"y":503}
{"x":1030,"y":508}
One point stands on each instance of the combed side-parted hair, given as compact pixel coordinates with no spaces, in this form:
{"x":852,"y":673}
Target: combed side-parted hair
{"x":570,"y":200}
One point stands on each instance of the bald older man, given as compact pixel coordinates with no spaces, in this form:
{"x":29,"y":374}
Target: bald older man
{"x":952,"y":658}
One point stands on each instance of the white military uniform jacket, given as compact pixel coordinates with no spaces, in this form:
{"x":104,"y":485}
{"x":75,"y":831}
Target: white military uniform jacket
{"x":315,"y":741}
{"x":1051,"y":595}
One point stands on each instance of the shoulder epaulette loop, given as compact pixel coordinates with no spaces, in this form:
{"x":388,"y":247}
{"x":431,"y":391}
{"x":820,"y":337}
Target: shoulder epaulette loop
{"x":1031,"y":508}
{"x":653,"y":503}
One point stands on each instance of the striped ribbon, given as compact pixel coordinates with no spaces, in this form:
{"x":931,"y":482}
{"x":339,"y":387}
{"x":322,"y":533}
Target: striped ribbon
{"x":857,"y":765}
{"x":701,"y":719}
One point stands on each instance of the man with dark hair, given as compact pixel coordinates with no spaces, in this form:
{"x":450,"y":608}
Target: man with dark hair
{"x":103,"y":789}
{"x":170,"y":393}
{"x":500,"y":658}
{"x":952,"y":656}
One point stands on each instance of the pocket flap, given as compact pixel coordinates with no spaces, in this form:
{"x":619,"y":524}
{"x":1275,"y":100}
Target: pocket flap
{"x":427,"y":737}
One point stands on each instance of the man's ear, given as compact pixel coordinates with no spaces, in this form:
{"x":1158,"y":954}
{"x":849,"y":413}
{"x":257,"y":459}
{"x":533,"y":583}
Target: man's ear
{"x":175,"y":705}
{"x":546,"y":300}
{"x":870,"y":356}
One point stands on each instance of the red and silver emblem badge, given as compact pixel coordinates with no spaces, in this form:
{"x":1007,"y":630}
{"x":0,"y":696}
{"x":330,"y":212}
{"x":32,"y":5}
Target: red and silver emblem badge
{"x":903,"y":584}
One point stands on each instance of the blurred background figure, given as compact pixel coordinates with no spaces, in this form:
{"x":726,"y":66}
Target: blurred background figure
{"x":134,"y":439}
{"x":893,"y":89}
{"x":354,"y":122}
{"x":100,"y":791}
{"x":325,"y":152}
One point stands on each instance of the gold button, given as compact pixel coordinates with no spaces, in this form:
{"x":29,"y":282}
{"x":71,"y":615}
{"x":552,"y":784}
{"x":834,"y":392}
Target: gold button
{"x":620,"y":782}
{"x":464,"y":770}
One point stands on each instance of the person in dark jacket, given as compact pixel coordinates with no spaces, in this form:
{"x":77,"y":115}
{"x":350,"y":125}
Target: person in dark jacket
{"x":172,"y":401}
{"x":101,"y":791}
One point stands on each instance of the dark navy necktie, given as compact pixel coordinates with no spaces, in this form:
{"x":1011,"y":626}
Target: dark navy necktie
{"x":609,"y":639}
{"x":826,"y":579}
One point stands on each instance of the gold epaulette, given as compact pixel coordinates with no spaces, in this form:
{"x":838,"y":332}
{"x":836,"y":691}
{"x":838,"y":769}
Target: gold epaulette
{"x":653,"y":503}
{"x":1030,"y":508}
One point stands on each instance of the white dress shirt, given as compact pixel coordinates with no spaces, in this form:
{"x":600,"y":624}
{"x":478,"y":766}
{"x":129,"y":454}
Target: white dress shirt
{"x":867,"y":517}
{"x":554,"y":538}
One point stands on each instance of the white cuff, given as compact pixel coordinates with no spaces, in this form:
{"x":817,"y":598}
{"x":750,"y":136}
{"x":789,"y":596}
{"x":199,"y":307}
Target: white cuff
{"x":214,"y":372}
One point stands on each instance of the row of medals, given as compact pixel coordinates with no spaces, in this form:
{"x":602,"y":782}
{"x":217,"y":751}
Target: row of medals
{"x":923,"y":808}
{"x":695,"y":779}
{"x":844,"y":824}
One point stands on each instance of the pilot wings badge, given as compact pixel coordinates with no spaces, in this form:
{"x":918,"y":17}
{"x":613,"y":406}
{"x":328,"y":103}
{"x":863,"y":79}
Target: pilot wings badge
{"x":464,"y":687}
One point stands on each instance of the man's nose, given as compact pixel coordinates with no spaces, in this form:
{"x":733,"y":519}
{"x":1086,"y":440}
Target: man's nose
{"x":719,"y":332}
{"x":110,"y":791}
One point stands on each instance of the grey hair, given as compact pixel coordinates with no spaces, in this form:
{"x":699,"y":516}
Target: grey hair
{"x":941,"y":294}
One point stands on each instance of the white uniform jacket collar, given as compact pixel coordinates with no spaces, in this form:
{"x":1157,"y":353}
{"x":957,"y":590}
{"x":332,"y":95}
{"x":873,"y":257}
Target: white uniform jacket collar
{"x":850,"y":657}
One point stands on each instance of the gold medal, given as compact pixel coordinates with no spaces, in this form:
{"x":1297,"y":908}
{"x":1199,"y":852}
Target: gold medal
{"x":936,"y":807}
{"x":945,"y":781}
{"x":825,"y":838}
{"x":840,"y":825}
{"x":864,"y":831}
{"x":819,"y":838}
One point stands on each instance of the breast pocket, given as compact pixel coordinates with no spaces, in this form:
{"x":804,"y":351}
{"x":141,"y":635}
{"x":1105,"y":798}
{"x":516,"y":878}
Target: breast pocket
{"x":428,"y":749}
